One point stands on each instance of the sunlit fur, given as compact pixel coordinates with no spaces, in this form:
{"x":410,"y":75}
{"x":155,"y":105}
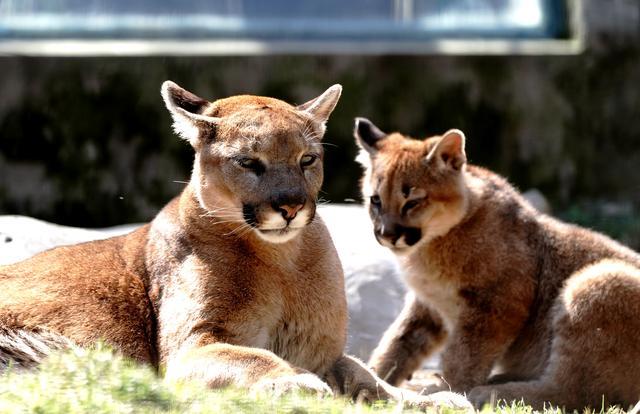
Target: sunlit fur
{"x":522,"y":305}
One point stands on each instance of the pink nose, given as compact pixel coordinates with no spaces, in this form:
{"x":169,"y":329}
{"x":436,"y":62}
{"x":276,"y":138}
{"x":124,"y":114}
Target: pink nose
{"x":289,"y":212}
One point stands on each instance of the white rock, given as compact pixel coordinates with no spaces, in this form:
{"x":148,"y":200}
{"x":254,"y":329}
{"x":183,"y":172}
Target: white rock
{"x":375,"y":292}
{"x":537,"y":200}
{"x":22,"y":237}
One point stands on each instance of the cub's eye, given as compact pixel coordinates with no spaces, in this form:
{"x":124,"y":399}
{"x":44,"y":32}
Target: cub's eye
{"x":375,"y":200}
{"x":251,"y":164}
{"x":308,"y":160}
{"x":411,"y":204}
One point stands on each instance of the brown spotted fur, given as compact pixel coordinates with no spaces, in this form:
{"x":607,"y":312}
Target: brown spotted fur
{"x":523,"y":305}
{"x":219,"y":287}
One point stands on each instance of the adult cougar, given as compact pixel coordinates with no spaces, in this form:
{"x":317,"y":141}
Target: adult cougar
{"x":235,"y":282}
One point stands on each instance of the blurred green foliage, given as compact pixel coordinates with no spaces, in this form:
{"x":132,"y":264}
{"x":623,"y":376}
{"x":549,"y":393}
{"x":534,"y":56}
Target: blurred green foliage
{"x":88,"y":141}
{"x":616,"y":221}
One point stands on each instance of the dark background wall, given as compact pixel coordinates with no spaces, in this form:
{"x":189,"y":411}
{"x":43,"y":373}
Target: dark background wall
{"x":87,"y":141}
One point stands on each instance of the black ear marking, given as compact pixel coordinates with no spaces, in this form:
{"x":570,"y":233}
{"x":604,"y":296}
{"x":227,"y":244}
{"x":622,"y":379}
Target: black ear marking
{"x":367,"y":133}
{"x":187,"y":110}
{"x":186,"y":100}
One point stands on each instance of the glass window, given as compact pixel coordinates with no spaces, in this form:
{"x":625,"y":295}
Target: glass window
{"x":304,"y":21}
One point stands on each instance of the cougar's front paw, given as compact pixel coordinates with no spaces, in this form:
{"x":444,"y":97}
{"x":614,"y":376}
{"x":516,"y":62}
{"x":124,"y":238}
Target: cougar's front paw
{"x":442,"y":399}
{"x":306,"y":382}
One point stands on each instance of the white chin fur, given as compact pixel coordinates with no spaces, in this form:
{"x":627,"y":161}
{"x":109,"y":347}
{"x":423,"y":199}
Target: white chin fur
{"x":401,"y":248}
{"x":278,"y":236}
{"x":274,"y":228}
{"x":401,"y":243}
{"x":403,"y":251}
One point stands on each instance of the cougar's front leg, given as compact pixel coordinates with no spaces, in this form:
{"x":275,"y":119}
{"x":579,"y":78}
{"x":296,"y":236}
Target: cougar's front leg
{"x":350,"y":377}
{"x":415,"y":334}
{"x":220,"y":365}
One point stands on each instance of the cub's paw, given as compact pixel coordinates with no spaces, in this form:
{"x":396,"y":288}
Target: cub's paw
{"x":306,"y":382}
{"x":482,"y":395}
{"x":426,"y":387}
{"x":438,"y":400}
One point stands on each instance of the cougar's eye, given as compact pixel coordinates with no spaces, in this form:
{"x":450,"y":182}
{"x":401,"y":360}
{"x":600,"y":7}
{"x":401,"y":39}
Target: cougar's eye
{"x":308,"y":160}
{"x":375,"y":200}
{"x":251,"y":164}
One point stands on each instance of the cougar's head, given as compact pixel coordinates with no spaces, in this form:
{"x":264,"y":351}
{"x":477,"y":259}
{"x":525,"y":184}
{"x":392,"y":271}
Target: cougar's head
{"x":258,"y":161}
{"x":414,"y":190}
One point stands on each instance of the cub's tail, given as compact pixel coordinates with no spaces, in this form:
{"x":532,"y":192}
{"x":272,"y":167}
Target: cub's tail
{"x":26,"y":348}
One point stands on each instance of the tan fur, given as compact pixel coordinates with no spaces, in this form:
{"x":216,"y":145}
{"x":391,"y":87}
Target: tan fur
{"x":235,"y":281}
{"x":551,"y":309}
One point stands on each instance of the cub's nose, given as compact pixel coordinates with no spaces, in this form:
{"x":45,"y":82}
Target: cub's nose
{"x":387,"y":233}
{"x":289,"y":212}
{"x":398,"y":236}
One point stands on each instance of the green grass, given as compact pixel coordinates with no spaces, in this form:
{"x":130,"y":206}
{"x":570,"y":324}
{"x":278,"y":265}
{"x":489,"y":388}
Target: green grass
{"x":97,"y":381}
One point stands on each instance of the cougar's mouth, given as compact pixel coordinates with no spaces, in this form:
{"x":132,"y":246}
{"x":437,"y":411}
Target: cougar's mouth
{"x":273,"y":227}
{"x":283,"y":230}
{"x":280,"y":235}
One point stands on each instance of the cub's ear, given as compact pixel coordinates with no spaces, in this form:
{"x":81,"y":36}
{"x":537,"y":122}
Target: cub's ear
{"x":368,"y":135}
{"x":186,"y":110}
{"x":321,"y":107}
{"x":449,"y":151}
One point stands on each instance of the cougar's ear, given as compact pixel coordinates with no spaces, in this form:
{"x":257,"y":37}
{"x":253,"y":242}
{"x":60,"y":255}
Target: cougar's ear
{"x":368,"y":136}
{"x":321,"y":107}
{"x":449,"y":151}
{"x":186,"y":110}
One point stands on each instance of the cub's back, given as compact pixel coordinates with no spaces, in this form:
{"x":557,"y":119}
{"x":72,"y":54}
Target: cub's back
{"x":577,"y":246}
{"x":558,"y":247}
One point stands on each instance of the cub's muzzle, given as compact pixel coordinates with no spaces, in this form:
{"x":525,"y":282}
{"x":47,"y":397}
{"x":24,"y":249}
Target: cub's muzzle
{"x":395,"y":235}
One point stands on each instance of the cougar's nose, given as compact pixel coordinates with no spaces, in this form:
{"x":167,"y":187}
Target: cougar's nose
{"x":288,"y":204}
{"x":288,"y":211}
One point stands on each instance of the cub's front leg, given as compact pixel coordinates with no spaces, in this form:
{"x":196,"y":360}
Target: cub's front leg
{"x":478,"y":340}
{"x":415,"y":334}
{"x":220,"y":365}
